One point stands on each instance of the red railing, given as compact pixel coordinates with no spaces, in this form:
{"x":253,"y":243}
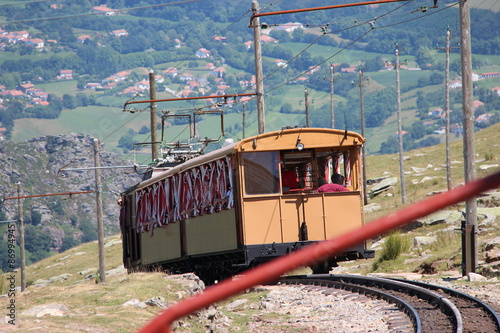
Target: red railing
{"x":318,"y":252}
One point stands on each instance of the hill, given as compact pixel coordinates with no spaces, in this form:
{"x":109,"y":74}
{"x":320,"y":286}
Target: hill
{"x":59,"y":222}
{"x":90,"y":64}
{"x":66,"y":283}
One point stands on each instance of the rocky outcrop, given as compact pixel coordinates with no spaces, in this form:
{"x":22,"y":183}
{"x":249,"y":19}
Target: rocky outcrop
{"x":37,"y":165}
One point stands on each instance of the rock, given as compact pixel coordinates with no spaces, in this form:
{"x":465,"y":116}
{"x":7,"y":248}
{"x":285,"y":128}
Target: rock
{"x":372,"y":208}
{"x":135,"y":303}
{"x":487,"y":166}
{"x":375,"y":180}
{"x":233,"y":305}
{"x":157,"y":301}
{"x":59,"y":278}
{"x":117,"y":271}
{"x":423,"y":240}
{"x":383,"y":186}
{"x":54,"y":310}
{"x":473,"y":277}
{"x":190,"y":281}
{"x":87,"y":271}
{"x":442,"y":216}
{"x":492,"y":255}
{"x":493,"y":243}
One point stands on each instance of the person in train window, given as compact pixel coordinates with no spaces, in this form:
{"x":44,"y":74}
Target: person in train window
{"x":337,"y":184}
{"x":289,"y":180}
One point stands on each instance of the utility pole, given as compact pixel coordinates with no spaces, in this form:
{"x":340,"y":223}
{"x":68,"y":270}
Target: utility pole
{"x":100,"y":224}
{"x":447,"y":105}
{"x":362,"y":105}
{"x":306,"y":97}
{"x":152,"y":105}
{"x":21,"y":237}
{"x":259,"y":84}
{"x":469,"y":245}
{"x":332,"y":81}
{"x":400,"y":131}
{"x":244,"y":114}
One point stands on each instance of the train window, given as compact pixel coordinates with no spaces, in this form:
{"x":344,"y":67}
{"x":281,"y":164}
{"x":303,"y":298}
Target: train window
{"x":302,"y":165}
{"x":261,"y":172}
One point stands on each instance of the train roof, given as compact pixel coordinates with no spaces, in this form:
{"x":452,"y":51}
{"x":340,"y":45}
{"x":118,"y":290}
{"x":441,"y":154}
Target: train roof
{"x":310,"y":137}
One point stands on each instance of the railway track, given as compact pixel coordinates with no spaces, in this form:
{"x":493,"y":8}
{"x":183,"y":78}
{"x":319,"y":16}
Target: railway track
{"x":414,"y":306}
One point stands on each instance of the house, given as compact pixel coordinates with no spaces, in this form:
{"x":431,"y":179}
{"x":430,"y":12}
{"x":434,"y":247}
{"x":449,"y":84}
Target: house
{"x":496,"y":90}
{"x":35,"y":42}
{"x":119,"y":33}
{"x":280,"y":63}
{"x":476,"y":103}
{"x":436,"y":112}
{"x":193,"y":84}
{"x":484,"y":118}
{"x":103,"y":9}
{"x":351,"y":69}
{"x":65,"y":74}
{"x":142,"y":85}
{"x":403,"y":132}
{"x":25,"y":87}
{"x":83,"y":38}
{"x":476,"y":77}
{"x":456,"y":85}
{"x":220,"y":39}
{"x":13,"y":93}
{"x":268,"y":40}
{"x":186,"y":77}
{"x":218,"y":72}
{"x":171,"y":72}
{"x":92,"y":85}
{"x":491,"y":74}
{"x":159,"y":78}
{"x":313,"y":69}
{"x":248,"y":44}
{"x":203,"y":53}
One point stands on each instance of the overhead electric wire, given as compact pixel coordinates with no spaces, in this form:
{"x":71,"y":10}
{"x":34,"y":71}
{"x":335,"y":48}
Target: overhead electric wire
{"x":96,"y":14}
{"x":357,"y":39}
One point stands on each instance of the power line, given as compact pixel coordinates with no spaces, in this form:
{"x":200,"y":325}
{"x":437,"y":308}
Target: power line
{"x":96,"y":14}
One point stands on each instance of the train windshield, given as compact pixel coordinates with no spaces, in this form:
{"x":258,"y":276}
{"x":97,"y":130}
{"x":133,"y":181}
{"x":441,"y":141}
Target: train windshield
{"x":261,"y":170}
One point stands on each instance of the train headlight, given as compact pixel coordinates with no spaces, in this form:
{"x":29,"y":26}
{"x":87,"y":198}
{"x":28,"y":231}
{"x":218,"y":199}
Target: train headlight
{"x":299,"y":145}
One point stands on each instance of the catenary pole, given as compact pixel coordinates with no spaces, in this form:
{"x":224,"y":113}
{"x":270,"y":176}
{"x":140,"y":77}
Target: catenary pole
{"x":363,"y":157}
{"x":306,"y":98}
{"x":259,"y":84}
{"x":332,"y":81}
{"x":469,"y":247}
{"x":100,"y":224}
{"x":152,"y":96}
{"x":21,"y":237}
{"x":400,"y":131}
{"x":447,"y":98}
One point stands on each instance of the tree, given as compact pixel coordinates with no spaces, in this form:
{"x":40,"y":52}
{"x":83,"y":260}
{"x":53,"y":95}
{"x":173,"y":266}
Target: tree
{"x":389,"y":146}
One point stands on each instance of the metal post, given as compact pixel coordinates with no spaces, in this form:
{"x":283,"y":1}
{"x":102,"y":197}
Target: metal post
{"x":152,"y":96}
{"x":362,"y":103}
{"x":100,"y":225}
{"x":258,"y":68}
{"x":447,"y":98}
{"x":400,"y":131}
{"x":332,"y":80}
{"x":470,"y":259}
{"x":244,"y":118}
{"x":21,"y":237}
{"x":306,"y":97}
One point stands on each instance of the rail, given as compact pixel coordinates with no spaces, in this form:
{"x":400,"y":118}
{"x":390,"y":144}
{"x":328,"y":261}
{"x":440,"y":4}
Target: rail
{"x":318,"y":252}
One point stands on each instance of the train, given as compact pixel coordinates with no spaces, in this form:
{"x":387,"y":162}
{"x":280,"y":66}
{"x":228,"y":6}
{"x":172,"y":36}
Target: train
{"x":246,"y":203}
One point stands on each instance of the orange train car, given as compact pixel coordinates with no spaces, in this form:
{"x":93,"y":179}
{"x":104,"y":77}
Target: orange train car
{"x":246,"y":203}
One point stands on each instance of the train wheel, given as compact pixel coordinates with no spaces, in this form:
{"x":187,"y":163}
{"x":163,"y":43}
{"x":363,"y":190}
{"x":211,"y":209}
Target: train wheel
{"x":321,"y":268}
